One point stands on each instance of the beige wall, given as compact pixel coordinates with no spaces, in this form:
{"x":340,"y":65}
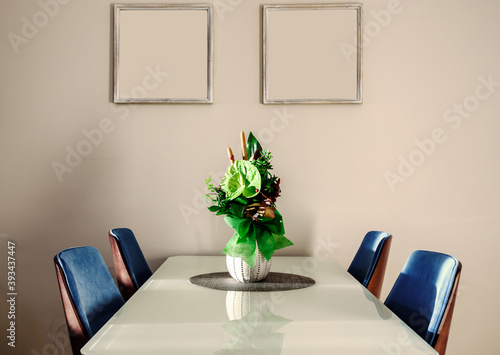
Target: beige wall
{"x":428,"y":58}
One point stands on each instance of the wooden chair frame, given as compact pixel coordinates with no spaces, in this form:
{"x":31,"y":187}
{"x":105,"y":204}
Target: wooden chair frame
{"x":77,"y":335}
{"x":444,"y":327}
{"x":125,"y":283}
{"x":377,"y":280}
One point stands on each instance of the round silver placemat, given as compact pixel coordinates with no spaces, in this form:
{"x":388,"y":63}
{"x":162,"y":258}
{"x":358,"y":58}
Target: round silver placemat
{"x":275,"y":281}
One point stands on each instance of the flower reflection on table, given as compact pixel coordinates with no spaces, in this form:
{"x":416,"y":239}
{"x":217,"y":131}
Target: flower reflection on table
{"x":252,"y":327}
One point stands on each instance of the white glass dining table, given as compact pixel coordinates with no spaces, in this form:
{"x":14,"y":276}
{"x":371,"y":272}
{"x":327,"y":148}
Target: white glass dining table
{"x":336,"y":315}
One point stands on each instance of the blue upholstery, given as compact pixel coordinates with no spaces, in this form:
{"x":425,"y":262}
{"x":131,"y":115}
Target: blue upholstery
{"x":422,"y":292}
{"x":92,"y":290}
{"x":133,"y":257}
{"x":364,"y":262}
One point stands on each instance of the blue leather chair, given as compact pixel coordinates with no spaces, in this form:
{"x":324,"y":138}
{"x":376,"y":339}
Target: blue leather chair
{"x":89,"y":294}
{"x":370,"y":261}
{"x":424,"y":295}
{"x":132,"y":269}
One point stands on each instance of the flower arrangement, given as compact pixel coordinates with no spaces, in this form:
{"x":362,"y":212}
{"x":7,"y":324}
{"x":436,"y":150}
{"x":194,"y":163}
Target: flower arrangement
{"x":246,"y":197}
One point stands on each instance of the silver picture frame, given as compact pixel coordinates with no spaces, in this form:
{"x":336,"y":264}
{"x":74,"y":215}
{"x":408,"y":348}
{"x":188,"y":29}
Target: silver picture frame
{"x":163,"y":53}
{"x":312,"y":54}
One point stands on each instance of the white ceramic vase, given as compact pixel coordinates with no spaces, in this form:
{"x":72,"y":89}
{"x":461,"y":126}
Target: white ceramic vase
{"x":242,"y":272}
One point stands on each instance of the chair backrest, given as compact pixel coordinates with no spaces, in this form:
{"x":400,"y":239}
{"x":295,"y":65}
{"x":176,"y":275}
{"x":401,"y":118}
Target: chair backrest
{"x":369,"y":264}
{"x":89,"y":294}
{"x":132,"y":269}
{"x":424,"y":295}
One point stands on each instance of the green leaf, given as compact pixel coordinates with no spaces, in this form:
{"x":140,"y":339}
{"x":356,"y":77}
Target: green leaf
{"x":241,"y":178}
{"x":241,"y":200}
{"x":214,"y":208}
{"x":237,"y":209}
{"x":252,"y":145}
{"x":280,"y":242}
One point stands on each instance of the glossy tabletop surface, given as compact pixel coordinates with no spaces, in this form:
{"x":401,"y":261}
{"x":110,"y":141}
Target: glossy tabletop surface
{"x":337,"y":315}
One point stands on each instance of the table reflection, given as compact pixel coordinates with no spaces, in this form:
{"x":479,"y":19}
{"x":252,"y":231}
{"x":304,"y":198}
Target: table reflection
{"x":252,"y":327}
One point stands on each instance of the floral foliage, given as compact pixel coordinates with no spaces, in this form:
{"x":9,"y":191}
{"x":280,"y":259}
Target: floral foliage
{"x":246,"y":197}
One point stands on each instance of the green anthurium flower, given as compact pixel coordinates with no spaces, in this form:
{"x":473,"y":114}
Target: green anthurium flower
{"x":242,"y":178}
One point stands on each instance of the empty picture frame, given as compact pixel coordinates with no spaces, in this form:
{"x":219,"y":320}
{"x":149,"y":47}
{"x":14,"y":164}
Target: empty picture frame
{"x":163,"y":53}
{"x":311,"y":54}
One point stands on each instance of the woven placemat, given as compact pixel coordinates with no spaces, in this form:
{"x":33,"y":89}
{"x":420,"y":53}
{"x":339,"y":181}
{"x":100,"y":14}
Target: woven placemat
{"x":275,"y":281}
